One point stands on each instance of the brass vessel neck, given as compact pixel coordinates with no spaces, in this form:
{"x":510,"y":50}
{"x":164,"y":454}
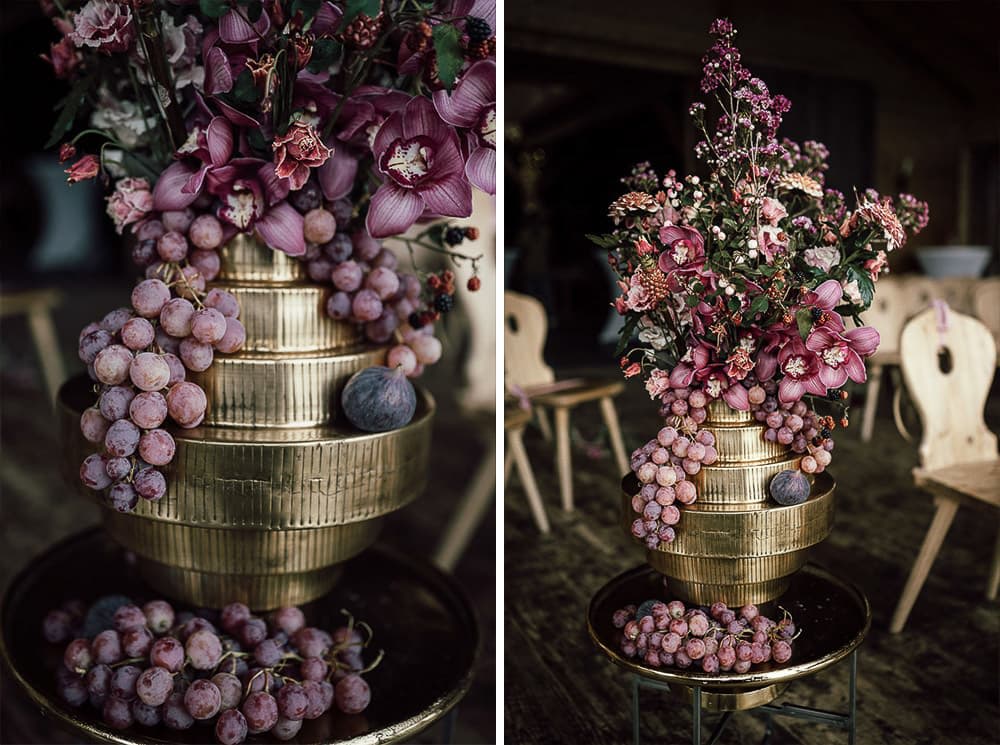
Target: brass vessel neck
{"x":246,"y":259}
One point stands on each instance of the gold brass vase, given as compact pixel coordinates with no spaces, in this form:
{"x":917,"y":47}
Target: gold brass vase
{"x":734,"y":544}
{"x":275,"y":490}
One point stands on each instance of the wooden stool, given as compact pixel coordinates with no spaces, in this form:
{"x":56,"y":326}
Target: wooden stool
{"x":37,"y":305}
{"x":525,"y":330}
{"x":514,"y":422}
{"x":958,"y":454}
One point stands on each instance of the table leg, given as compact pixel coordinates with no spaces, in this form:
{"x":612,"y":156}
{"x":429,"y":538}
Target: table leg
{"x":696,"y":715}
{"x":635,"y":709}
{"x":852,"y":703}
{"x":449,"y":726}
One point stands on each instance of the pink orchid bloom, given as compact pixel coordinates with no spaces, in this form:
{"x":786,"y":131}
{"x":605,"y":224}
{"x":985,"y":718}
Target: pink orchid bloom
{"x":841,"y":354}
{"x":685,"y":249}
{"x":800,"y":368}
{"x":253,"y":199}
{"x":235,"y":28}
{"x":717,"y":384}
{"x":424,"y":171}
{"x":181,"y":183}
{"x":695,"y":361}
{"x":826,"y":297}
{"x":472,"y":105}
{"x":770,"y":343}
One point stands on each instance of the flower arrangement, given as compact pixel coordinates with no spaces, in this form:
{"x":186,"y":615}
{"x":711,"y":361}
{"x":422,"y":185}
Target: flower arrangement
{"x":318,"y":127}
{"x":736,"y":286}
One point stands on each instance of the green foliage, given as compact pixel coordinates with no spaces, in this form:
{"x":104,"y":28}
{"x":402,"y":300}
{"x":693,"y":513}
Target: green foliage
{"x":803,"y":318}
{"x":625,"y":335}
{"x":759,"y":305}
{"x":865,"y":284}
{"x":214,"y":8}
{"x":325,"y":53}
{"x":355,"y":8}
{"x":449,"y":53}
{"x":244,"y":89}
{"x":603,"y":241}
{"x":308,"y":8}
{"x":70,"y":106}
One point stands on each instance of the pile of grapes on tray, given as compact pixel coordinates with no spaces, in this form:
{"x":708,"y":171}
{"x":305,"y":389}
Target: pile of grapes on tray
{"x":713,"y":639}
{"x":248,"y":675}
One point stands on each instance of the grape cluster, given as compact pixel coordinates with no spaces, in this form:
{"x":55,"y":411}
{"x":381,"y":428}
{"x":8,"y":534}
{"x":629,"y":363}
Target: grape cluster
{"x":663,"y":466}
{"x":795,"y":425}
{"x":711,"y":638}
{"x":139,"y":357}
{"x":185,"y":239}
{"x":150,"y":666}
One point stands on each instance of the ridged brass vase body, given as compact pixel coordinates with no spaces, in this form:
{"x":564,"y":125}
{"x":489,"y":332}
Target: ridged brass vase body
{"x":275,"y":490}
{"x":734,"y":544}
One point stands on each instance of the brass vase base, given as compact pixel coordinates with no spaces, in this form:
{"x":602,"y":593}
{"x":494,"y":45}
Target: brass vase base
{"x":730,"y":699}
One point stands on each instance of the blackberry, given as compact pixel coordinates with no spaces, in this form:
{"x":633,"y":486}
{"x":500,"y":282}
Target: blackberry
{"x":816,"y":314}
{"x":415,"y":320}
{"x":833,"y":395}
{"x":825,"y":433}
{"x":454,"y":236}
{"x":478,"y":31}
{"x":444,"y":303}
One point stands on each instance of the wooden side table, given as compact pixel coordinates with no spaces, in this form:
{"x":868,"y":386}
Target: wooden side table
{"x":833,"y":616}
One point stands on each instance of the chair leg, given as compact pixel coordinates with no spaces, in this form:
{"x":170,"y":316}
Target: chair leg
{"x":994,"y":584}
{"x":508,"y":465}
{"x":614,"y":430}
{"x":543,"y":423}
{"x":871,"y":402}
{"x":943,"y":516}
{"x":43,"y":332}
{"x":527,"y":476}
{"x":471,"y":511}
{"x":563,"y":463}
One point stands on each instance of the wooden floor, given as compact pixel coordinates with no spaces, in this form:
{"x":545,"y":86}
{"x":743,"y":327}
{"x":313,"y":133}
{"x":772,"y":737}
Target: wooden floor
{"x":38,"y":510}
{"x":934,"y":684}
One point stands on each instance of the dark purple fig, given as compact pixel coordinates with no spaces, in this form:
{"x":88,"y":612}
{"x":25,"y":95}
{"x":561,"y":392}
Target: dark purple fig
{"x":789,"y":487}
{"x":379,"y":399}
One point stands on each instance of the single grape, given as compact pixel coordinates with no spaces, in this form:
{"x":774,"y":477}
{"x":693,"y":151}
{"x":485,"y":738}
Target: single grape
{"x":196,"y":355}
{"x":148,"y":410}
{"x":123,"y":682}
{"x":112,"y":364}
{"x":117,"y":713}
{"x":314,"y":695}
{"x":167,"y":653}
{"x":366,"y":305}
{"x":93,"y":343}
{"x":106,"y":648}
{"x":338,"y":306}
{"x":383,"y":282}
{"x":57,"y":626}
{"x":318,"y":225}
{"x":176,"y":317}
{"x":150,"y":484}
{"x":293,"y":703}
{"x":137,"y":333}
{"x":149,"y":229}
{"x":352,"y":694}
{"x":347,"y":276}
{"x":98,"y":680}
{"x":207,"y":263}
{"x":208,"y":326}
{"x":289,"y":619}
{"x":73,"y":691}
{"x":144,"y":714}
{"x":157,"y":447}
{"x":231,"y":727}
{"x":93,"y":425}
{"x":94,"y":472}
{"x":175,"y":716}
{"x":261,"y":712}
{"x":149,"y":297}
{"x":186,"y":403}
{"x":427,"y":349}
{"x":127,"y":617}
{"x":380,"y":331}
{"x":137,"y":642}
{"x":204,"y":649}
{"x":286,"y":729}
{"x":122,"y":438}
{"x":167,"y":344}
{"x":234,"y":338}
{"x":205,"y":232}
{"x":267,"y":653}
{"x":155,"y":684}
{"x":253,"y":631}
{"x":202,"y":699}
{"x":172,"y":246}
{"x":338,"y":248}
{"x":366,"y":248}
{"x":315,"y":668}
{"x":233,"y":616}
{"x":114,"y":402}
{"x":223,"y":301}
{"x":179,"y":220}
{"x":230,"y":690}
{"x":193,"y":624}
{"x":122,"y":497}
{"x":114,"y":320}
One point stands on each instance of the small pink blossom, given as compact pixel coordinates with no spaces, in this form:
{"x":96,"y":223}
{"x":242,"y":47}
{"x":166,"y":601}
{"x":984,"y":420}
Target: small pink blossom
{"x":104,"y":25}
{"x":771,"y":241}
{"x":637,"y":297}
{"x":130,"y":202}
{"x":64,"y":58}
{"x":877,"y":265}
{"x":841,"y":355}
{"x":658,"y":383}
{"x":86,"y":168}
{"x":632,"y":370}
{"x":824,"y":258}
{"x":772,"y":210}
{"x":800,"y":367}
{"x":296,"y":152}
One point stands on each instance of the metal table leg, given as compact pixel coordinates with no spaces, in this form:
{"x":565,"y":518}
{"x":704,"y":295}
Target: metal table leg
{"x":448,"y":725}
{"x":852,"y":703}
{"x":635,"y":709}
{"x":696,"y":715}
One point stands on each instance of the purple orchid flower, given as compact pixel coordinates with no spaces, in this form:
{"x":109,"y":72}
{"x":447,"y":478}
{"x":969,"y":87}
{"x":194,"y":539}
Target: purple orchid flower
{"x":472,"y":105}
{"x":685,"y":249}
{"x":801,"y":372}
{"x":424,"y":171}
{"x":840,"y":354}
{"x":181,"y":183}
{"x":826,"y":297}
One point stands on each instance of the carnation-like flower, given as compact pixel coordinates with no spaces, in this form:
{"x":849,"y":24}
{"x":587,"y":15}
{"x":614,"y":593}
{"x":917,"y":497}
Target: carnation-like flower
{"x":651,"y":334}
{"x":472,"y":105}
{"x":851,"y":291}
{"x":181,"y":44}
{"x":771,"y":241}
{"x":657,"y":383}
{"x":424,"y":171}
{"x":297,"y":152}
{"x":772,"y":210}
{"x":801,"y":182}
{"x":104,"y":25}
{"x":633,"y":203}
{"x":123,"y":117}
{"x":882,"y":215}
{"x":877,"y":265}
{"x":64,"y":58}
{"x":822,"y":257}
{"x":130,"y":202}
{"x":86,"y":168}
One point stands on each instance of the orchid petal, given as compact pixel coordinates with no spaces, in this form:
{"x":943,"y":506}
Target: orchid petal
{"x":767,"y":366}
{"x":392,"y":211}
{"x":864,"y":340}
{"x":236,"y":116}
{"x":420,"y":118}
{"x":194,"y":184}
{"x":855,"y":368}
{"x":450,"y":197}
{"x":473,"y":93}
{"x":819,"y":339}
{"x":281,"y":228}
{"x":218,"y":75}
{"x":168,"y":194}
{"x":736,"y":396}
{"x":219,"y":137}
{"x":828,"y":294}
{"x":390,"y":131}
{"x":326,"y":19}
{"x":815,"y":386}
{"x":832,"y":377}
{"x":336,"y":176}
{"x":790,"y":391}
{"x":682,"y":375}
{"x":275,"y":188}
{"x":234,"y":28}
{"x":481,"y":169}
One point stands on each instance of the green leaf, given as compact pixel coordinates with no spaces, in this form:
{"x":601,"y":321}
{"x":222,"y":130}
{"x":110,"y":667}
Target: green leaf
{"x":865,"y":285}
{"x":354,"y":8}
{"x":691,"y":300}
{"x":308,"y":8}
{"x":71,"y":105}
{"x":244,"y":88}
{"x":449,"y":53}
{"x":214,"y":8}
{"x":258,"y":142}
{"x":604,"y":241}
{"x":625,"y":335}
{"x":325,"y":53}
{"x":759,"y":305}
{"x":803,"y":318}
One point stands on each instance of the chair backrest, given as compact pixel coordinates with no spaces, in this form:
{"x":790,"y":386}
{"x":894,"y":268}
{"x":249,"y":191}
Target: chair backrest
{"x":524,"y":330}
{"x":986,"y":305}
{"x":887,"y":314}
{"x":950,"y":403}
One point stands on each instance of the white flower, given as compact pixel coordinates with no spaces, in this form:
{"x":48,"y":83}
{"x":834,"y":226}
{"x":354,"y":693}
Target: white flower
{"x":654,"y":337}
{"x":851,"y":291}
{"x":822,"y":257}
{"x":123,"y":118}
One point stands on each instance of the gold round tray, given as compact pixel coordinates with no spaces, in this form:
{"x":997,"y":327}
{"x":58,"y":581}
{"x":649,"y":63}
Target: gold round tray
{"x":416,"y":612}
{"x":833,"y":616}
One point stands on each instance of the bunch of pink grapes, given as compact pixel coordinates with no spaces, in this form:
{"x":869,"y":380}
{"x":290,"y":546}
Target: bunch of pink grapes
{"x":367,"y":288}
{"x":663,"y":467}
{"x":244,"y":674}
{"x":139,"y":357}
{"x":794,"y":424}
{"x":182,"y":243}
{"x":669,"y":634}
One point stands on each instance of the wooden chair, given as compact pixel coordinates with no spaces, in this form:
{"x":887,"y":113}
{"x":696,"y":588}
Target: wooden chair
{"x":38,"y":305}
{"x":514,"y":422}
{"x":887,"y":313}
{"x":986,"y":305}
{"x":525,"y":329}
{"x":958,"y":454}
